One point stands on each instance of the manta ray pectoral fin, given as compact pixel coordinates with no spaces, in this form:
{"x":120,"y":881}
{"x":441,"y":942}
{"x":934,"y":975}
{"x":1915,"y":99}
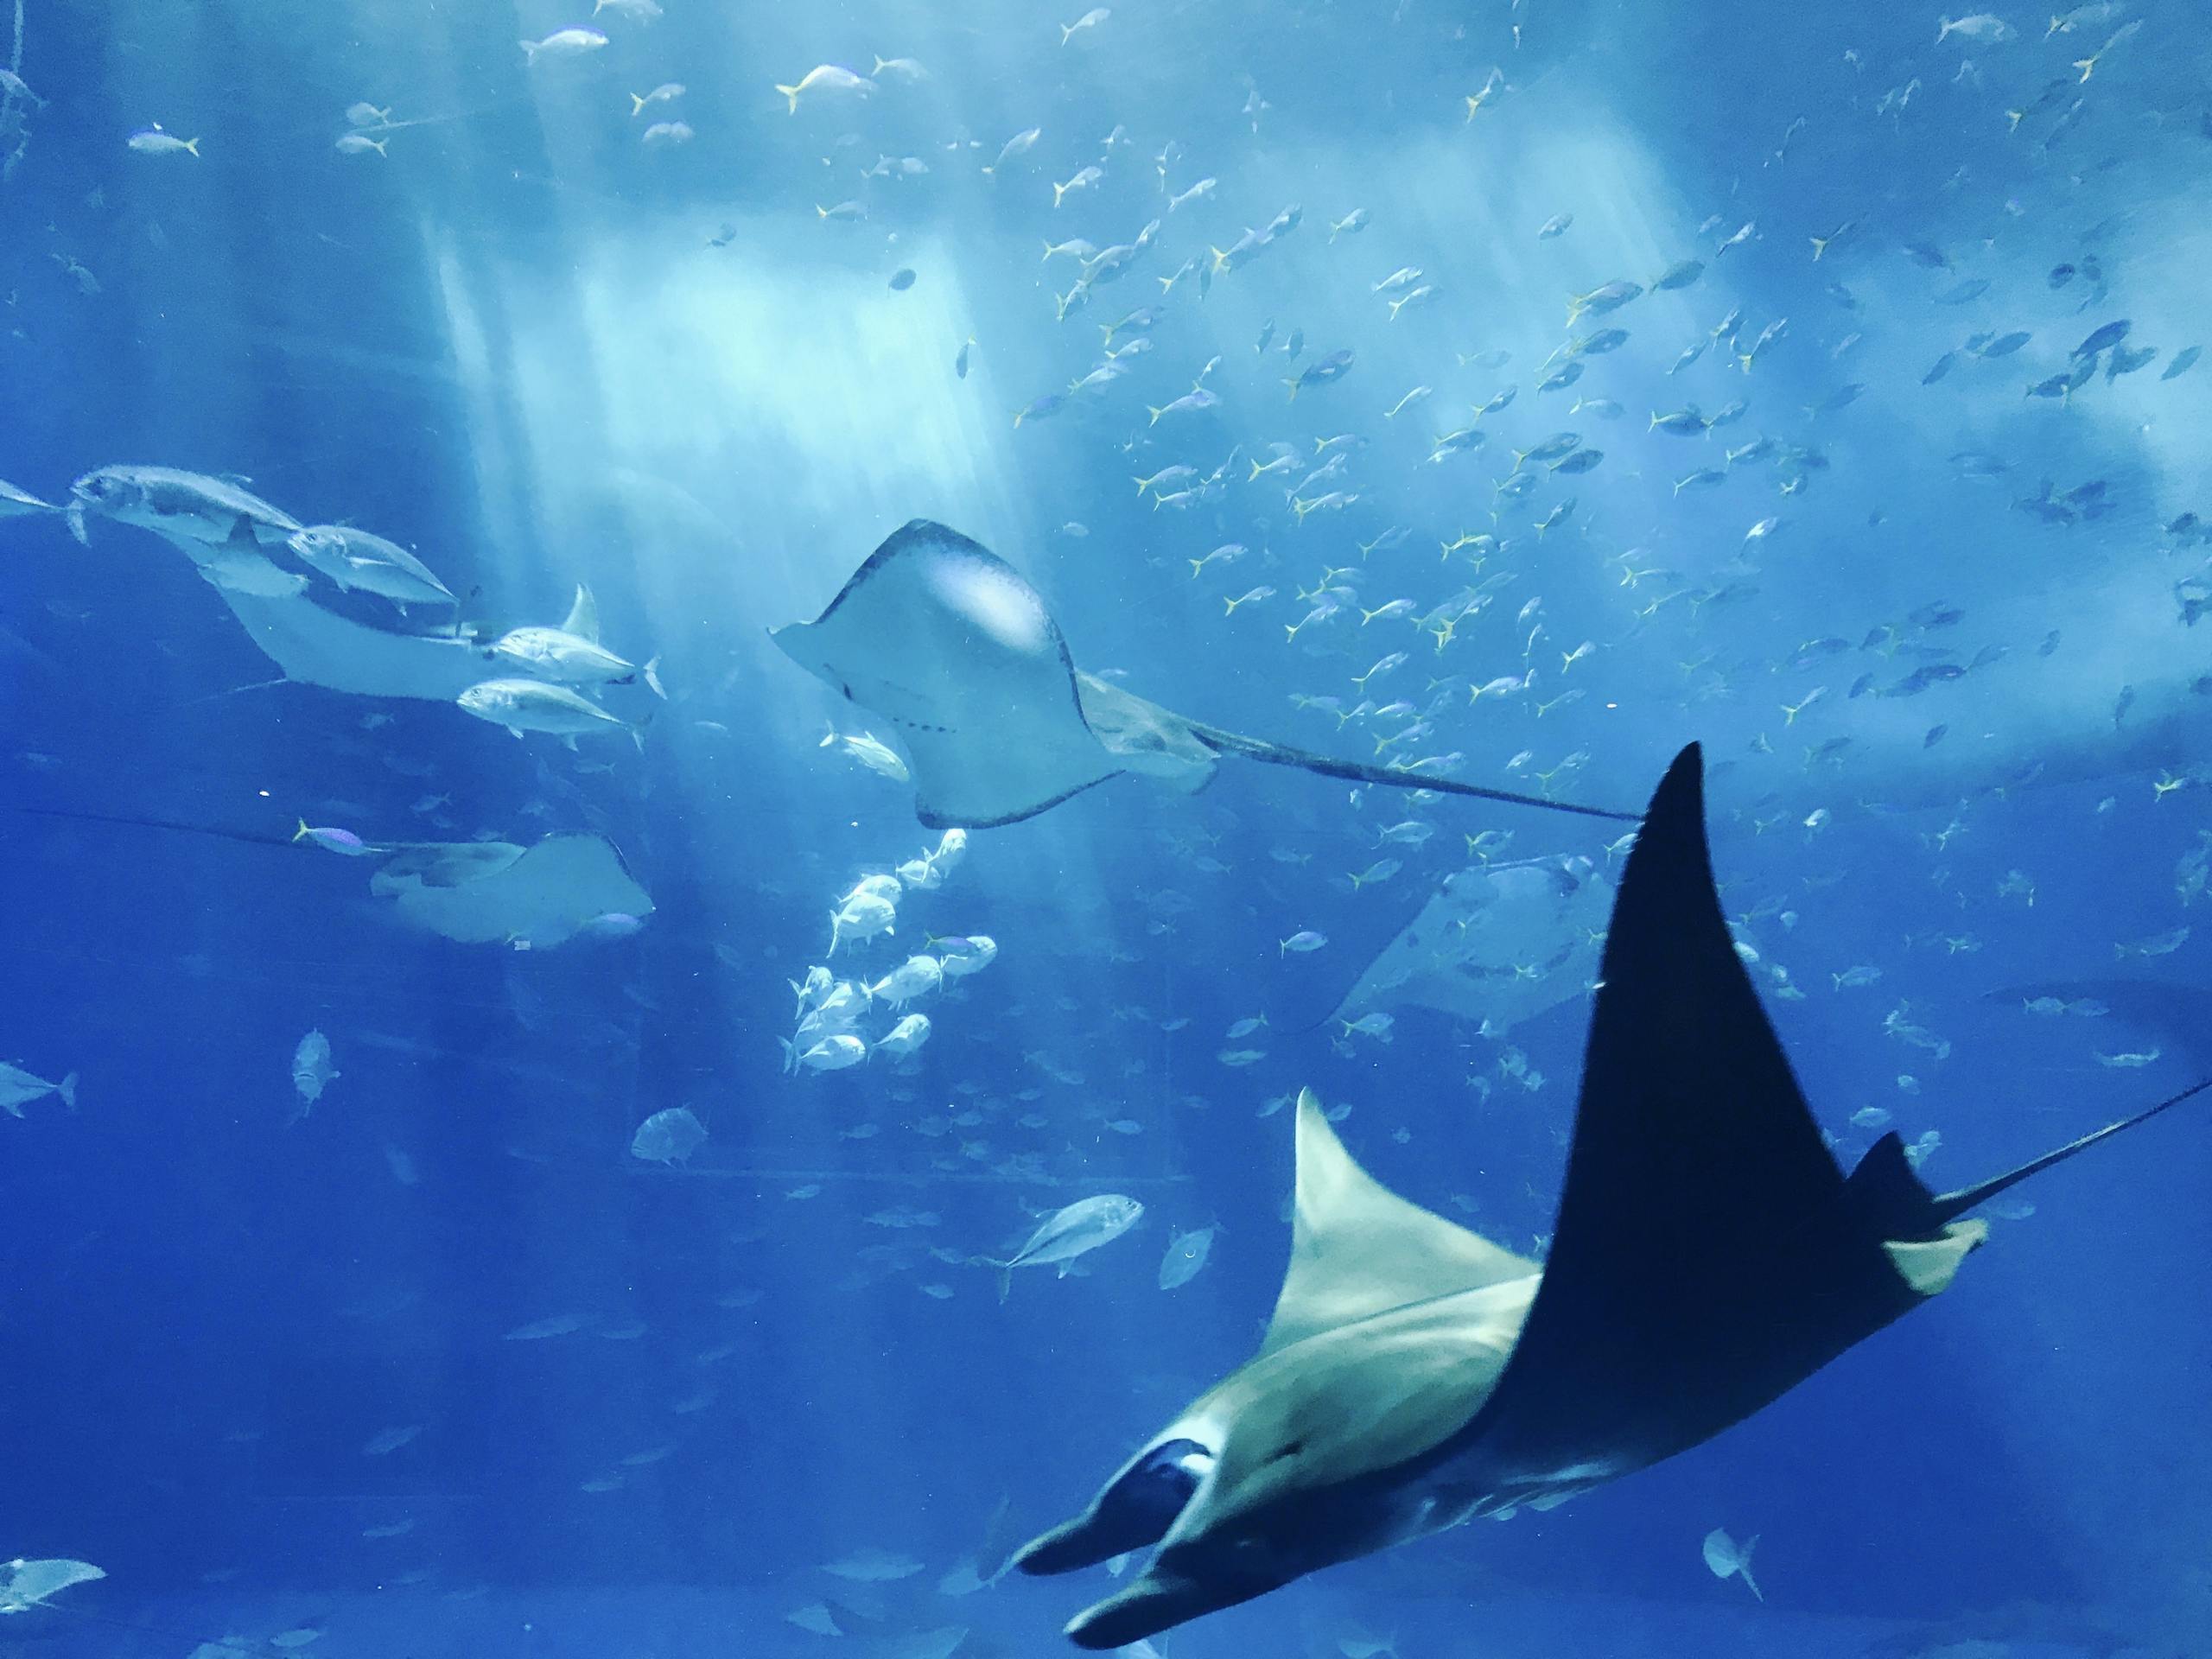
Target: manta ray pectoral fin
{"x":1706,"y":1257}
{"x":1709,"y":1254}
{"x":1358,"y":1248}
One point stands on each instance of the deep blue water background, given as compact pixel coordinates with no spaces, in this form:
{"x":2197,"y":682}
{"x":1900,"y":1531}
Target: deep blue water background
{"x":207,"y":1309}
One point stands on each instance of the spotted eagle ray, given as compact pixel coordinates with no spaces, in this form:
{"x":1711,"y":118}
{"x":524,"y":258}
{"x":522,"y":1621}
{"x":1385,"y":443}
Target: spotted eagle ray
{"x":1709,"y":1256}
{"x":948,"y":643}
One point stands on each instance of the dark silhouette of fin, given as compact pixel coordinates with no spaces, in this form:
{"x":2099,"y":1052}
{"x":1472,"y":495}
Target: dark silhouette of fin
{"x":1694,"y":1153}
{"x":1709,"y":1254}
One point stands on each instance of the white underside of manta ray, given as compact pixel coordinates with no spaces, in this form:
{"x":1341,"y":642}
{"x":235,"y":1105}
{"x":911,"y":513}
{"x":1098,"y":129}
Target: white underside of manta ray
{"x":947,"y":642}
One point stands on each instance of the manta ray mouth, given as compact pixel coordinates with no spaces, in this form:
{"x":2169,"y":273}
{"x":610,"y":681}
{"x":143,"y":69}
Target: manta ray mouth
{"x":1133,"y":1513}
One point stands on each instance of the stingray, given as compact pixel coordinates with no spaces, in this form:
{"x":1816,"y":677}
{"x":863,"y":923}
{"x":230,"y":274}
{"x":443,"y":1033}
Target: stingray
{"x":1709,"y":1254}
{"x":471,"y":891}
{"x":1498,"y":943}
{"x":950,"y":644}
{"x":482,"y":892}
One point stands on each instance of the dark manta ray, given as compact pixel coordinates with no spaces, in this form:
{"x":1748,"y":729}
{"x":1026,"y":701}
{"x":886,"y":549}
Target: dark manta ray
{"x":1709,"y":1257}
{"x":945,"y":639}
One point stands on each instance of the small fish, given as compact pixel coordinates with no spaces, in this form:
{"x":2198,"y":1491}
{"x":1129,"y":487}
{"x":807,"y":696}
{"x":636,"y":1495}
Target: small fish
{"x":1729,"y":1559}
{"x":669,"y":1137}
{"x":1090,"y":20}
{"x":1189,"y":402}
{"x":667,"y":92}
{"x":835,"y":1052}
{"x":1187,"y":1254}
{"x":1321,"y":372}
{"x":534,"y":706}
{"x":152,"y":141}
{"x":1084,"y":178}
{"x":18,"y":1088}
{"x":1304,"y":941}
{"x":902,"y":279}
{"x":873,"y":1567}
{"x":1068,"y":1234}
{"x":1019,"y":145}
{"x":823,"y":78}
{"x":563,"y":43}
{"x":2158,"y":944}
{"x":1599,"y":301}
{"x":870,"y":752}
{"x":312,"y":1071}
{"x":2110,"y":335}
{"x":354,"y":559}
{"x":558,"y":655}
{"x":344,"y":843}
{"x":1984,"y":27}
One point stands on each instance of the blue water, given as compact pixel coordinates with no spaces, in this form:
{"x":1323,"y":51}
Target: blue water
{"x":542,"y":354}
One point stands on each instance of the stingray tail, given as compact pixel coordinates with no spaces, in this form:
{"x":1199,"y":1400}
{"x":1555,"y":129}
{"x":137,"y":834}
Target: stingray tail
{"x":1277,"y":754}
{"x":248,"y":837}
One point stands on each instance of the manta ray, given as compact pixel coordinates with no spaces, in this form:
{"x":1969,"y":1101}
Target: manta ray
{"x":947,"y":642}
{"x":1709,"y":1256}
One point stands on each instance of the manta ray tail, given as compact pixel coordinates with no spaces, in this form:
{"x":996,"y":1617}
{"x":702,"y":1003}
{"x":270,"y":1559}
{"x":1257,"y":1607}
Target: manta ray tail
{"x":1278,"y":754}
{"x":1952,"y":1205}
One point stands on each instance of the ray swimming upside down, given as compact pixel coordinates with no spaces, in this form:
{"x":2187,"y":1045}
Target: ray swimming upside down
{"x":1709,"y":1256}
